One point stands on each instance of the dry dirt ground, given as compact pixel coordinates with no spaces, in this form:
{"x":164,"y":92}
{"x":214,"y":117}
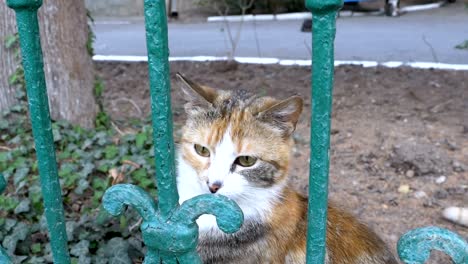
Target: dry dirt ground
{"x":399,"y":144}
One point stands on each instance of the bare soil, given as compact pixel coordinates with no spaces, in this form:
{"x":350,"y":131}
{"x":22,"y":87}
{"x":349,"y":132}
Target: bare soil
{"x":390,"y":128}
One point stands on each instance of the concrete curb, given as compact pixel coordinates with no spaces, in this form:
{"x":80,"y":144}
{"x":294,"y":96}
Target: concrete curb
{"x":288,"y":62}
{"x":308,"y":15}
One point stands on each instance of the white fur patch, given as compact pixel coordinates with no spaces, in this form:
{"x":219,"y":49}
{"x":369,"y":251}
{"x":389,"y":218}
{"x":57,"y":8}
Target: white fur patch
{"x":222,"y":159}
{"x":256,"y":203}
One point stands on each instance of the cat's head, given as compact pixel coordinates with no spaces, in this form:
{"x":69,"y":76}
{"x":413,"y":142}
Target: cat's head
{"x":237,"y":142}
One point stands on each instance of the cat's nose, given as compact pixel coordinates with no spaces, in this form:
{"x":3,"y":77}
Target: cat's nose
{"x":215,"y":186}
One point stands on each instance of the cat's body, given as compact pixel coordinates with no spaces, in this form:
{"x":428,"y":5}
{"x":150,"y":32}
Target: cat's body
{"x":238,"y":145}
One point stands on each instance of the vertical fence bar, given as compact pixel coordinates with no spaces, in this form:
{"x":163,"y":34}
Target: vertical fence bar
{"x":160,"y":88}
{"x":2,"y":184}
{"x":169,"y":231}
{"x":324,"y":27}
{"x":28,"y":28}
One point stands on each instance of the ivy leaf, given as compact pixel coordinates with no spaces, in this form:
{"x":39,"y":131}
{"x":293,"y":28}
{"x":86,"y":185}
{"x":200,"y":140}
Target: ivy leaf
{"x":88,"y":167}
{"x":17,"y":108}
{"x":87,"y":144}
{"x":80,"y":249}
{"x":20,"y":232}
{"x":111,"y":151}
{"x":141,"y":139}
{"x":9,"y":224}
{"x":117,"y":251}
{"x":8,"y":203}
{"x":83,"y":184}
{"x":23,"y":206}
{"x":57,"y":135}
{"x":4,"y":124}
{"x":97,"y":154}
{"x":36,"y":248}
{"x":101,"y":138}
{"x":20,"y":174}
{"x":20,"y":259}
{"x":100,"y":184}
{"x":70,"y":227}
{"x":84,"y":260}
{"x":5,"y":156}
{"x":11,"y":40}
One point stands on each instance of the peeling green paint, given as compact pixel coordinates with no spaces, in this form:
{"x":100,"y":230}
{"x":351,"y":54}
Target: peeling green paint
{"x":160,"y":89}
{"x":174,"y":238}
{"x":169,"y":230}
{"x":415,"y":246}
{"x":2,"y":183}
{"x":28,"y":29}
{"x":4,"y":259}
{"x":324,"y":26}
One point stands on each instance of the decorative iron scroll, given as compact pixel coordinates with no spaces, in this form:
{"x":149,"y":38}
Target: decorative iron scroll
{"x":415,"y":246}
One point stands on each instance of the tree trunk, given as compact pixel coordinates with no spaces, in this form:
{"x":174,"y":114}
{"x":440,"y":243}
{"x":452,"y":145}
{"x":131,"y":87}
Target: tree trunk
{"x":67,"y":64}
{"x":7,"y":61}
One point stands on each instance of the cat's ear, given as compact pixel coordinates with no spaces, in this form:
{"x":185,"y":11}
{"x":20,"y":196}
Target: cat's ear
{"x":197,"y":95}
{"x":283,"y":115}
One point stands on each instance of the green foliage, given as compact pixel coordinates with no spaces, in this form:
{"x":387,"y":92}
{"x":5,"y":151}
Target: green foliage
{"x":8,"y":203}
{"x":102,"y":118}
{"x":36,"y":248}
{"x":85,"y":158}
{"x":98,"y":87}
{"x":463,"y":45}
{"x":16,"y":78}
{"x":11,"y":40}
{"x":91,"y":35}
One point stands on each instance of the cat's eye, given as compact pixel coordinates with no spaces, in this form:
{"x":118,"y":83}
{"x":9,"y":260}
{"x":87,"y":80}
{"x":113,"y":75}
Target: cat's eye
{"x":246,"y":161}
{"x":202,"y":151}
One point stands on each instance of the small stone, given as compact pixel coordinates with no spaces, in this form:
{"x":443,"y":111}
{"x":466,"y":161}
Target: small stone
{"x":451,"y":145}
{"x":420,"y":194}
{"x":405,"y":188}
{"x":410,"y":173}
{"x":458,"y":215}
{"x":457,"y":166}
{"x":76,"y":207}
{"x":394,"y":237}
{"x":441,"y":179}
{"x":384,"y":206}
{"x":441,"y":194}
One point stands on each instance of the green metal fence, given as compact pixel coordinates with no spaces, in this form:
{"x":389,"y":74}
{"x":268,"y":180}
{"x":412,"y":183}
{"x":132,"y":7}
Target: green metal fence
{"x":169,"y":229}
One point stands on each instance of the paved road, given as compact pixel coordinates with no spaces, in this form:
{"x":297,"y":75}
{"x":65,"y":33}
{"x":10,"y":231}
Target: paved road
{"x":421,"y":36}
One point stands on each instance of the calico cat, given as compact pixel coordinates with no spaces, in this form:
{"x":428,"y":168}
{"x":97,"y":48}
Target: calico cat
{"x":238,"y":145}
